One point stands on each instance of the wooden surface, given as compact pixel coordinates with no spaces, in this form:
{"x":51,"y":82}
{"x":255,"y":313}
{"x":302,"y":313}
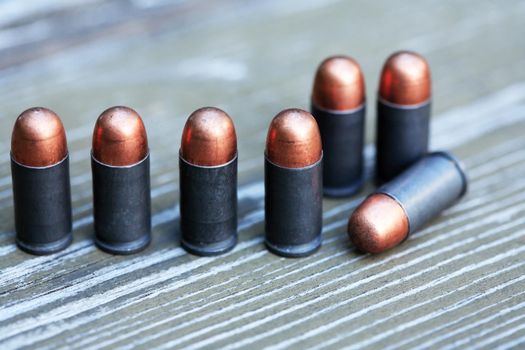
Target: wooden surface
{"x":458,"y":283}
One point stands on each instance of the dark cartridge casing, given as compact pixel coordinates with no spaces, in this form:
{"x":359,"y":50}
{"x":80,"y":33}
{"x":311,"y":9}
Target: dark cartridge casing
{"x":403,"y":114}
{"x":408,"y":202}
{"x":293,"y":209}
{"x":402,"y":137}
{"x":293,"y":184}
{"x":338,"y":105}
{"x":122,"y":206}
{"x":120,"y":167}
{"x":208,"y":207}
{"x":427,"y":188}
{"x":208,"y":183}
{"x":342,"y":134}
{"x":41,"y":187}
{"x":42,"y":198}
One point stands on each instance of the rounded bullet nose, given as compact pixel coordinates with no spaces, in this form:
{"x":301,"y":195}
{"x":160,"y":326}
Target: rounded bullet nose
{"x":405,"y":79}
{"x":293,"y":139}
{"x":119,"y":137}
{"x":339,"y":84}
{"x":38,"y":138}
{"x":208,"y":138}
{"x":378,"y":224}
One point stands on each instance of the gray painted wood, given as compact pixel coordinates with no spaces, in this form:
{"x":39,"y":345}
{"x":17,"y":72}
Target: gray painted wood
{"x":458,"y":283}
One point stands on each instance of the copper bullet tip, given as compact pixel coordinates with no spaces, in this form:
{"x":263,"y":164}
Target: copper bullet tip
{"x":119,"y":137}
{"x":339,"y":84}
{"x":293,"y":139}
{"x":208,"y":138}
{"x":38,"y":138}
{"x":378,"y":224}
{"x":405,"y":79}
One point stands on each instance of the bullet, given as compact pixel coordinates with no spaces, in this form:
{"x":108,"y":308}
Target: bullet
{"x":121,"y":182}
{"x":293,"y":184}
{"x":338,"y":105}
{"x":208,"y":183}
{"x":408,"y":202}
{"x":41,"y":188}
{"x":403,"y":114}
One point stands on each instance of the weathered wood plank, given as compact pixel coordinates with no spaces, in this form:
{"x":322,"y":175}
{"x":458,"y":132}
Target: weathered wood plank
{"x":458,"y":283}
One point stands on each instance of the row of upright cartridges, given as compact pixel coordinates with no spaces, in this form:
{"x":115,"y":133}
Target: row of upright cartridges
{"x":307,"y":155}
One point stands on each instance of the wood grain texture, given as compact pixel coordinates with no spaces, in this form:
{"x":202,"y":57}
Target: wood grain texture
{"x":458,"y":283}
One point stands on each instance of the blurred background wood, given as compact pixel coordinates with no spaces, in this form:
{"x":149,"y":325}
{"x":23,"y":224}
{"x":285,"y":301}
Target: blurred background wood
{"x":459,"y":283}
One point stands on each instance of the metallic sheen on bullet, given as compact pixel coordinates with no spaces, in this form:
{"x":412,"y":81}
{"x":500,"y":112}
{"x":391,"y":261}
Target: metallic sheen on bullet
{"x":209,"y":138}
{"x":378,"y":224}
{"x":405,"y":79}
{"x":338,"y":104}
{"x":208,"y":183}
{"x":407,"y":203}
{"x":119,"y":138}
{"x":41,"y":188}
{"x":39,"y":138}
{"x":339,"y":84}
{"x":403,"y":114}
{"x":293,"y":139}
{"x":121,"y":182}
{"x":293,"y":184}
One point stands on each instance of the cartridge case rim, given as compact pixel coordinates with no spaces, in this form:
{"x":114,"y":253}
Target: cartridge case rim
{"x":124,"y":248}
{"x":295,"y":251}
{"x":459,"y":165}
{"x":45,"y":248}
{"x":210,"y":249}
